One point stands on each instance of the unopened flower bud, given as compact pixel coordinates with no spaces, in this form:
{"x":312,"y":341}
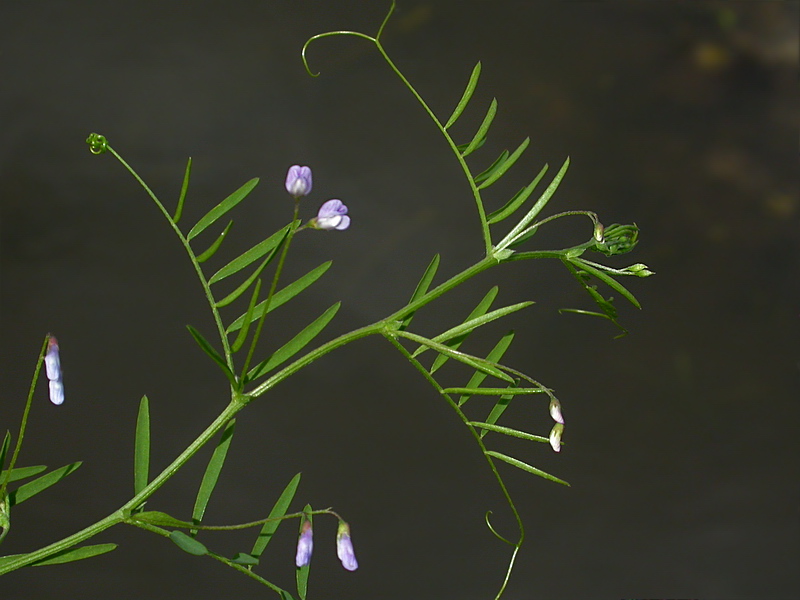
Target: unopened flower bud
{"x":298,"y":181}
{"x":331,"y":215}
{"x":555,"y":411}
{"x":640,"y":270}
{"x":555,"y":436}
{"x":598,"y":233}
{"x":52,"y":364}
{"x":305,"y":545}
{"x":344,"y":547}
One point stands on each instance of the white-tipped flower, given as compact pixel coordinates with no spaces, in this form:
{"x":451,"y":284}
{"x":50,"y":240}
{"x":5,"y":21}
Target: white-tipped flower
{"x":305,"y":544}
{"x":331,"y":215}
{"x":344,"y":547}
{"x":299,"y":181}
{"x":52,"y":364}
{"x":555,"y":436}
{"x":555,"y":411}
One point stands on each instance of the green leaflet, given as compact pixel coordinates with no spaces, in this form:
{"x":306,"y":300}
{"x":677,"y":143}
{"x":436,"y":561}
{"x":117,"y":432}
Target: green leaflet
{"x":212,"y":249}
{"x":184,"y":189}
{"x":455,"y":343}
{"x":462,"y":147}
{"x":248,"y":319}
{"x":40,"y":484}
{"x":281,"y":507}
{"x":188,"y":544}
{"x":607,"y":279}
{"x":501,"y":169}
{"x":492,"y":391}
{"x":230,"y":298}
{"x":4,"y":450}
{"x":480,"y":135}
{"x":465,"y":98}
{"x":209,"y":349}
{"x":481,"y":177}
{"x":468,"y":326}
{"x":494,"y":356}
{"x":22,"y":472}
{"x":294,"y":345}
{"x":141,"y":450}
{"x":282,"y":296}
{"x":73,"y":554}
{"x":422,"y":286}
{"x":251,"y":255}
{"x":516,"y":235}
{"x":497,"y":410}
{"x":469,"y":360}
{"x":525,"y":467}
{"x":160,"y":519}
{"x":211,"y":476}
{"x":245,"y":559}
{"x":222,"y":208}
{"x":516,"y":201}
{"x":509,"y":431}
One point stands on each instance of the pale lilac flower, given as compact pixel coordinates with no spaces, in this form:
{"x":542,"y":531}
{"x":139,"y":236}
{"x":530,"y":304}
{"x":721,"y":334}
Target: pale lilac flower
{"x":331,"y":215}
{"x":305,"y":545}
{"x":344,"y":547}
{"x":555,"y":411}
{"x":555,"y":436}
{"x":298,"y":181}
{"x":52,"y":364}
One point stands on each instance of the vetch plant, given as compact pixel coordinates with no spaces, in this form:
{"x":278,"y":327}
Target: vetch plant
{"x":252,"y":369}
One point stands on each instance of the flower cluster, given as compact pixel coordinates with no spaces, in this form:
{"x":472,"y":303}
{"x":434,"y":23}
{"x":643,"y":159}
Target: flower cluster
{"x":331,"y":215}
{"x":344,"y":546}
{"x":52,"y":364}
{"x":558,"y":428}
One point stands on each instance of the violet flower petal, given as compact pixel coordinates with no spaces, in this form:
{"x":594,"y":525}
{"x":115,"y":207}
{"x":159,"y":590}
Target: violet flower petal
{"x":344,"y":547}
{"x":299,"y":181}
{"x":332,"y":215}
{"x":305,"y":546}
{"x":52,"y":364}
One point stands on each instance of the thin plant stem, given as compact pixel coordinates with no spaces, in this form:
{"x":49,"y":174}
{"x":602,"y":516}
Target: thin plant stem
{"x":417,"y":365}
{"x":24,"y":422}
{"x":275,"y":278}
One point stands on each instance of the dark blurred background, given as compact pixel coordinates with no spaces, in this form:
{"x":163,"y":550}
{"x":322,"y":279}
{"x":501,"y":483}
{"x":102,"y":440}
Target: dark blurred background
{"x":681,"y":439}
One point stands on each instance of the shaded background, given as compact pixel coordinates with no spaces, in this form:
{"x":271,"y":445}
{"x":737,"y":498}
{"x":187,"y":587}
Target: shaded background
{"x":682,"y":437}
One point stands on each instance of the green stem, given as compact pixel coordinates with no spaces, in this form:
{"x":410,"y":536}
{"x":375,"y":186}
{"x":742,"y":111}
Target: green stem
{"x":185,"y":242}
{"x":226,"y":561}
{"x":122,"y":513}
{"x":24,"y":423}
{"x":476,"y":194}
{"x":417,"y":365}
{"x":376,"y":327}
{"x":487,"y":238}
{"x":275,"y":278}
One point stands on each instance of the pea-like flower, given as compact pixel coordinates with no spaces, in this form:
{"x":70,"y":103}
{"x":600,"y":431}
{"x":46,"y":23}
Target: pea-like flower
{"x":555,"y":411}
{"x":555,"y":436}
{"x":298,"y":181}
{"x":344,"y":547}
{"x":331,"y":215}
{"x":52,"y":364}
{"x":305,"y":545}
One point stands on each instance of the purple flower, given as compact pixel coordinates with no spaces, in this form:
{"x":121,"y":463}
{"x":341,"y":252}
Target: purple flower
{"x":331,"y":215}
{"x":305,"y":545}
{"x":344,"y":547}
{"x":555,"y":436}
{"x":52,"y":364}
{"x":298,"y":181}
